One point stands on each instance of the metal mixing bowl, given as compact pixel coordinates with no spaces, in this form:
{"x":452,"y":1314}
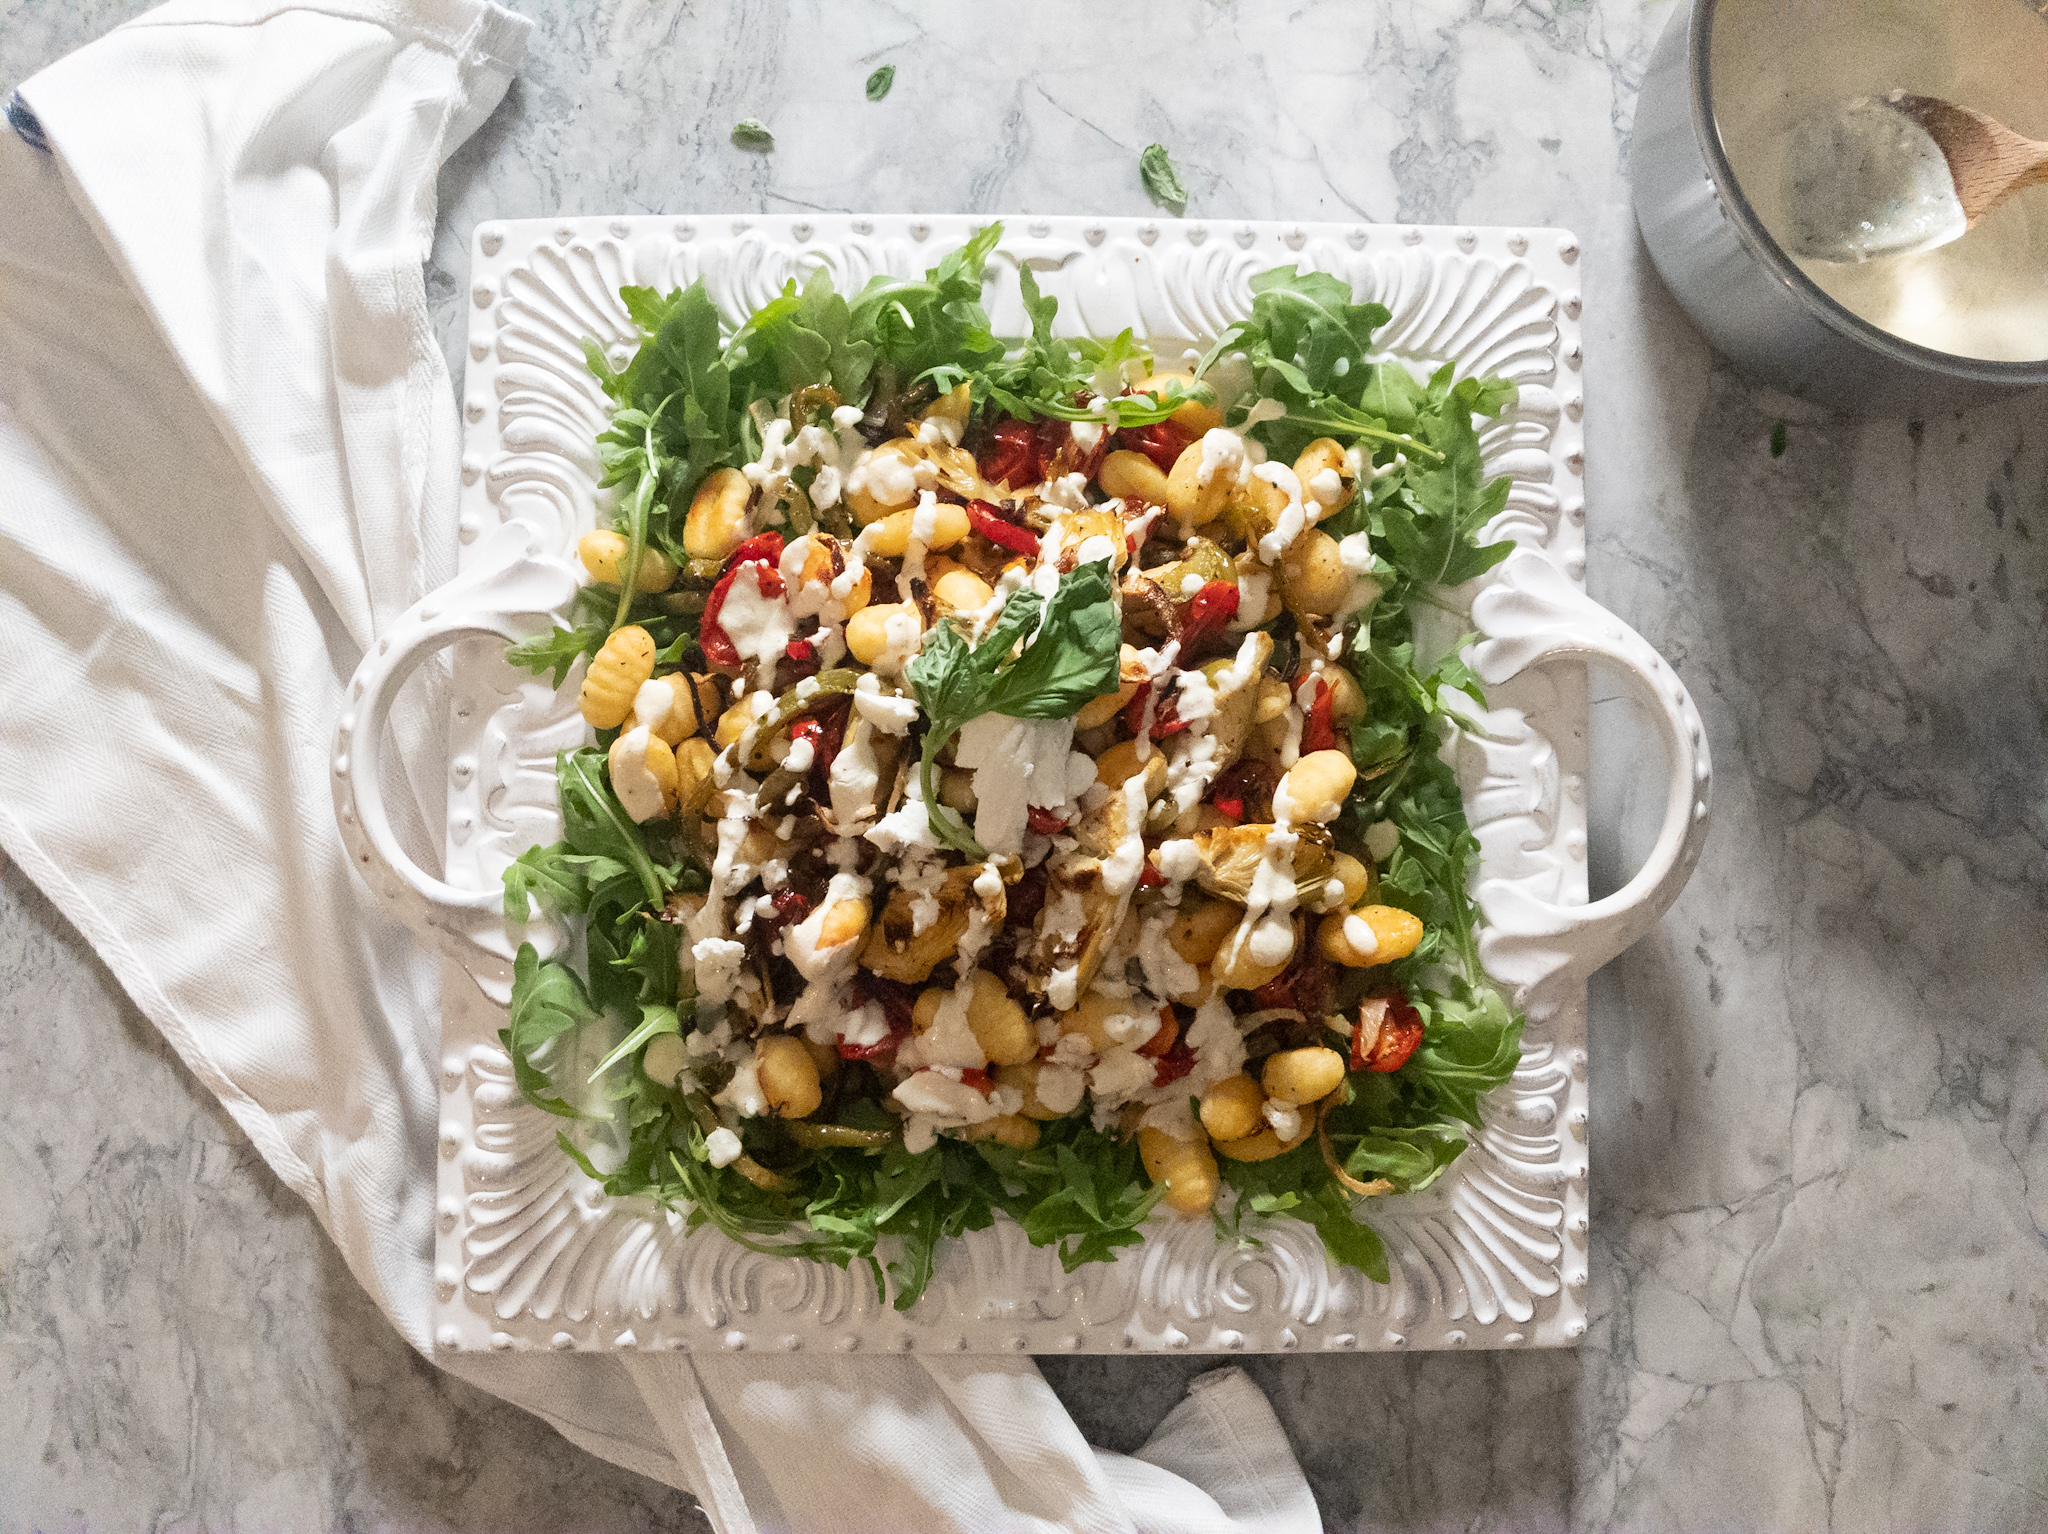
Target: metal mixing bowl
{"x":1740,"y":287}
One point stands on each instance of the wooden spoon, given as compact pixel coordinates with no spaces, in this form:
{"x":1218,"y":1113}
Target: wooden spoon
{"x":1987,"y":160}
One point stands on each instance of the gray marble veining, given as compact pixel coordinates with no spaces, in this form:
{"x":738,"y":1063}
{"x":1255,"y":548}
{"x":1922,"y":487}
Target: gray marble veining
{"x":1820,"y":1166}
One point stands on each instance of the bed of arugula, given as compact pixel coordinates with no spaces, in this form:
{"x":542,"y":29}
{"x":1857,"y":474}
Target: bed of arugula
{"x":683,"y":407}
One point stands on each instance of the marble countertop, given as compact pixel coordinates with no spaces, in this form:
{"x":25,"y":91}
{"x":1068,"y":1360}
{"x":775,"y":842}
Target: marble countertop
{"x":1820,"y":1166}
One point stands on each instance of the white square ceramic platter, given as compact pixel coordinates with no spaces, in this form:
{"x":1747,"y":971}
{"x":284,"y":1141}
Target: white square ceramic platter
{"x":531,"y":1254}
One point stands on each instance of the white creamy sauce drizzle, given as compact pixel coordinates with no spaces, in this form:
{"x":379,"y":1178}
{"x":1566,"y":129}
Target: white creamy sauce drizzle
{"x":638,"y":789}
{"x":758,"y":625}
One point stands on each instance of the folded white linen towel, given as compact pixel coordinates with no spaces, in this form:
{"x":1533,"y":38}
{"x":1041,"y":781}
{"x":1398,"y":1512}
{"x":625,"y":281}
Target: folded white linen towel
{"x":228,"y":450}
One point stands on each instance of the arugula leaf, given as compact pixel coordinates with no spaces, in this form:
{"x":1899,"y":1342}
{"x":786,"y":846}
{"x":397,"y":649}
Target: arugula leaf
{"x":547,"y":1002}
{"x":1097,"y":1207}
{"x":1049,"y":373}
{"x":751,"y":133}
{"x":1469,"y":1047}
{"x":560,"y":877}
{"x":654,"y":1020}
{"x":1346,"y":1238}
{"x":557,"y":650}
{"x":595,"y":824}
{"x":1162,"y":181}
{"x":880,"y":81}
{"x":798,"y":340}
{"x":935,"y":326}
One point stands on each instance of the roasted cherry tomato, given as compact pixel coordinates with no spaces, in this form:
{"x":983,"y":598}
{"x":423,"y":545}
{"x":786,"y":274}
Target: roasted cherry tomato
{"x":1012,"y":457}
{"x":763,"y":550}
{"x":1398,"y":1037}
{"x":1163,"y":442}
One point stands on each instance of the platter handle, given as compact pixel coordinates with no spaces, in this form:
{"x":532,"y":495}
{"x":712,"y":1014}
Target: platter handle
{"x":1531,"y":614}
{"x":509,"y":592}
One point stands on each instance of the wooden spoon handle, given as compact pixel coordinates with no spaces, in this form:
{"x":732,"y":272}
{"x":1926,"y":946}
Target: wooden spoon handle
{"x":1988,"y":160}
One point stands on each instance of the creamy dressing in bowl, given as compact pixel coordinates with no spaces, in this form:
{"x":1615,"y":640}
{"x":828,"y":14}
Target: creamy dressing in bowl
{"x":1792,"y":79}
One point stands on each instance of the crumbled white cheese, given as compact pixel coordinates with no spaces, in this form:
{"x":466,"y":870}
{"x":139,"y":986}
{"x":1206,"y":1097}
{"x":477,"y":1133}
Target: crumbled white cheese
{"x":718,"y":962}
{"x":722,"y":1147}
{"x":1059,"y":1087}
{"x":1120,"y":1073}
{"x":909,"y":826}
{"x":743,"y":1093}
{"x":1285,"y":1119}
{"x":1018,"y":765}
{"x":864,"y":1027}
{"x":890,"y":714}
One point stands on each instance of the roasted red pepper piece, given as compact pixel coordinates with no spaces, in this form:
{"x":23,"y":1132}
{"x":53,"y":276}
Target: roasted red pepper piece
{"x":1174,"y":1064}
{"x":790,"y":907}
{"x":1151,"y":878}
{"x":826,"y":731}
{"x":764,"y":550}
{"x":1209,"y":613}
{"x":1399,"y":1035}
{"x":1162,"y":442}
{"x":977,"y":1079}
{"x":1134,"y":711}
{"x":987,"y":521}
{"x":896,"y":1001}
{"x":1164,"y":1037}
{"x":1244,"y":791}
{"x":799,"y":660}
{"x":1304,"y":985}
{"x":1318,"y":732}
{"x":1045,"y":822}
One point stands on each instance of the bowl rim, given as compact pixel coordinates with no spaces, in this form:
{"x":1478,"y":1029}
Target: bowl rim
{"x":1762,"y":246}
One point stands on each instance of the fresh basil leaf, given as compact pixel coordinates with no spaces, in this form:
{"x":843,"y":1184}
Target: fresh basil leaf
{"x":880,"y":81}
{"x":1073,"y":656}
{"x":751,"y":133}
{"x":1162,"y":180}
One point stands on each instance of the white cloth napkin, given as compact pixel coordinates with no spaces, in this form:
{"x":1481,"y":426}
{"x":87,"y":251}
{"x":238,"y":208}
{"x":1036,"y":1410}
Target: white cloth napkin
{"x":228,"y":451}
